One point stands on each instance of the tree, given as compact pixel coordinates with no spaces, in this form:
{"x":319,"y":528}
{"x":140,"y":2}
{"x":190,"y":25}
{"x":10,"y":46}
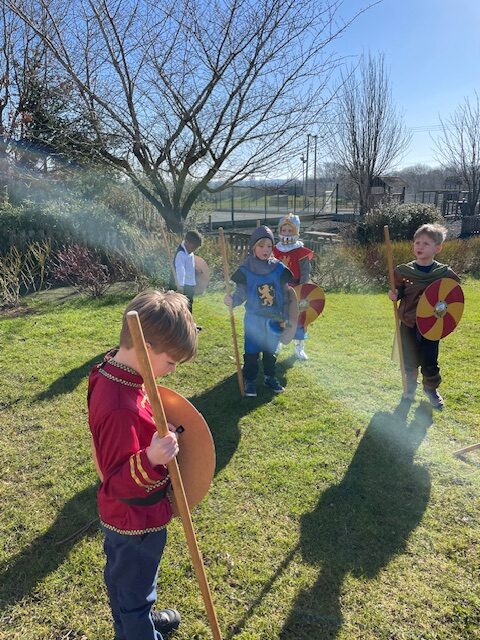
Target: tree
{"x":177,"y":94}
{"x":458,"y":147}
{"x":25,"y":100}
{"x":366,"y":133}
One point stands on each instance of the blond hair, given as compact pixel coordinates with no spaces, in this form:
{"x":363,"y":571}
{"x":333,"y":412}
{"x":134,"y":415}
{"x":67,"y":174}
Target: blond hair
{"x":166,"y":322}
{"x":435,"y":232}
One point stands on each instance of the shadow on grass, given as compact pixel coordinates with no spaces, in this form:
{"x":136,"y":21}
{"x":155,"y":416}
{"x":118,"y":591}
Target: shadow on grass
{"x":223,"y":408}
{"x":78,"y":518}
{"x":360,"y":524}
{"x":70,"y":381}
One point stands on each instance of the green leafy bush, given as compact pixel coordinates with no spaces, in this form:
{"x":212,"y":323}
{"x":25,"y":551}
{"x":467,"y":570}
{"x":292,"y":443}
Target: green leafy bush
{"x":402,"y":220}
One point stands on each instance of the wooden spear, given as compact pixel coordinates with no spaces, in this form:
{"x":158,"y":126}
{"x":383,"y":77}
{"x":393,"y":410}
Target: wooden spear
{"x":472,"y":447}
{"x":391,"y":277}
{"x":232,"y":317}
{"x":146,"y":372}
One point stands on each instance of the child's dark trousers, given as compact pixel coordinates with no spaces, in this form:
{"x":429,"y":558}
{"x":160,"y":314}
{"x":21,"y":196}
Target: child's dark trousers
{"x":420,"y":352}
{"x":131,"y":578}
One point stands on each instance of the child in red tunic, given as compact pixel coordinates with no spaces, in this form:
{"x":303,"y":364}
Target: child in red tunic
{"x":131,"y":459}
{"x":294,"y":255}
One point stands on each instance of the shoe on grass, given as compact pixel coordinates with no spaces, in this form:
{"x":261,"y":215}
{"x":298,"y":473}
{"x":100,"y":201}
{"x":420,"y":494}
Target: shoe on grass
{"x":166,"y":620}
{"x":250,"y":388}
{"x":274,"y":384}
{"x":300,"y":350}
{"x":434,"y":398}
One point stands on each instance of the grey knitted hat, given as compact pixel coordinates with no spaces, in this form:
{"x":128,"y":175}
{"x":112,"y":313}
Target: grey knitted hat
{"x":259,"y":234}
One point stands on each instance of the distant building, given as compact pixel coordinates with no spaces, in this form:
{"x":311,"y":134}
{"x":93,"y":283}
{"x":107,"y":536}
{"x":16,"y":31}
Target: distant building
{"x":385,"y":189}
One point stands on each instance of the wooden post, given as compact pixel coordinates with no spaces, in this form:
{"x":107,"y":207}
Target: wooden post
{"x":232,"y":317}
{"x":391,"y":277}
{"x":173,"y":469}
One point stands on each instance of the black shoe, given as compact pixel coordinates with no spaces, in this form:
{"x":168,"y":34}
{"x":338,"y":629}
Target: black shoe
{"x":250,"y":388}
{"x":166,"y":620}
{"x":435,"y":398}
{"x":274,"y":384}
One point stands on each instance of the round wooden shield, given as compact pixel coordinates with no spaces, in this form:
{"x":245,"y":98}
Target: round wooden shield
{"x":289,"y":331}
{"x":440,"y":308}
{"x":196,"y":456}
{"x":202,"y":275}
{"x":311,"y":302}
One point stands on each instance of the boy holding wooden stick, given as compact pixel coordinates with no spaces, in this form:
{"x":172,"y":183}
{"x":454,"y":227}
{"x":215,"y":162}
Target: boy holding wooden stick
{"x":262,"y":283}
{"x":411,"y":280}
{"x":131,"y":460}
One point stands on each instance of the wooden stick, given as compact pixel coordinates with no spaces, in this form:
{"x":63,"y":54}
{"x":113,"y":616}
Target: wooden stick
{"x":391,"y":277}
{"x":472,"y":447}
{"x":232,"y":317}
{"x":173,"y":469}
{"x":169,"y":255}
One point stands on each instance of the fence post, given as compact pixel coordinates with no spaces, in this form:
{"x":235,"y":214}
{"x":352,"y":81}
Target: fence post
{"x":265,"y":202}
{"x":233,"y":208}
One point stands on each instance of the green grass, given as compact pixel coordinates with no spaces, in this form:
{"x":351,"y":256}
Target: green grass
{"x":330,"y":515}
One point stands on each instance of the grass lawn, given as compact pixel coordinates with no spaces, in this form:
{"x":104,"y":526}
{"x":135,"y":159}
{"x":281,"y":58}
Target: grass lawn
{"x":330,"y":515}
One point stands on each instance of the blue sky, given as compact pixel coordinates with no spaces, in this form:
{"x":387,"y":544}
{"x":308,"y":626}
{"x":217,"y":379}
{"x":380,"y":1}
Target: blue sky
{"x":432,"y":51}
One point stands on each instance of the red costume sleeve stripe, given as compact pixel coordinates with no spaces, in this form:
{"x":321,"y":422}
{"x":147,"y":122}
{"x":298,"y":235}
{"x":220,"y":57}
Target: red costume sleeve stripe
{"x":133,"y":473}
{"x":142,"y":471}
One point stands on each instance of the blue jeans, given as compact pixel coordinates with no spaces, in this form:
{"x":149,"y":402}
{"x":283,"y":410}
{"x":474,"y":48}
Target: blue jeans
{"x":131,"y":577}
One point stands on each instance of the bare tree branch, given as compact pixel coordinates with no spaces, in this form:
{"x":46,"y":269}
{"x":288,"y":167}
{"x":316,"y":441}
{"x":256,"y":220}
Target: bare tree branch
{"x":180,"y":93}
{"x":458,"y":146}
{"x":366,"y":133}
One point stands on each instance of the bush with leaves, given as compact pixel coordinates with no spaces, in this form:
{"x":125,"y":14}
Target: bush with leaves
{"x":364,"y":267}
{"x":81,"y":268}
{"x":402,"y":220}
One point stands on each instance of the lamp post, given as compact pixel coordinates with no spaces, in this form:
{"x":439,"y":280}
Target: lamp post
{"x":315,"y":177}
{"x":265,"y":201}
{"x":302,"y":158}
{"x":306,"y":172}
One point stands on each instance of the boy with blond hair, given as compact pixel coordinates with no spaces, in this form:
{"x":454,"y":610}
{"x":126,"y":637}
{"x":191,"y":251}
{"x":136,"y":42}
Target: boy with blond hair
{"x":131,"y":460}
{"x":411,"y":280}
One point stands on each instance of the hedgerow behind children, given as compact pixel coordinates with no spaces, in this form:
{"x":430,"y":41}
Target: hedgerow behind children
{"x":262,"y":283}
{"x":411,"y":280}
{"x":131,"y":460}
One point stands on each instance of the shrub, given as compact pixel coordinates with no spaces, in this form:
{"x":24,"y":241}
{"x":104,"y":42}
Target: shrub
{"x":81,"y":269}
{"x":402,"y":220}
{"x":10,"y":275}
{"x":364,"y":267}
{"x":23,"y":271}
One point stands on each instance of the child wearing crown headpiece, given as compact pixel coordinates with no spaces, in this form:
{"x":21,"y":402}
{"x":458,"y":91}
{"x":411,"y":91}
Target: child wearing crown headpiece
{"x":294,"y":255}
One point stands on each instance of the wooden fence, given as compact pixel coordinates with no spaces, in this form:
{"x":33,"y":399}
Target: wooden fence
{"x":470,"y":225}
